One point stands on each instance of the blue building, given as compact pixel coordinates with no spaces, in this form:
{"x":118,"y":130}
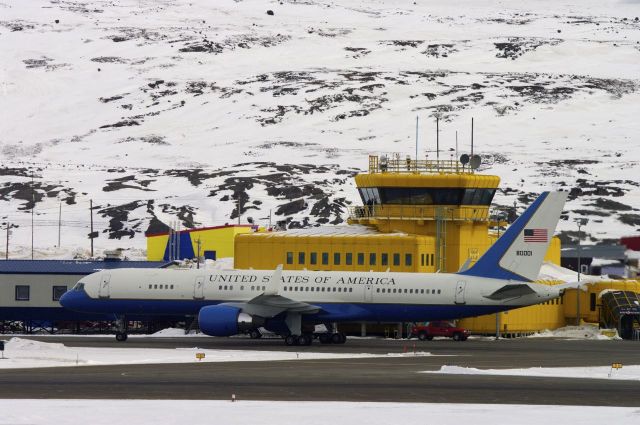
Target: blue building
{"x":30,"y":290}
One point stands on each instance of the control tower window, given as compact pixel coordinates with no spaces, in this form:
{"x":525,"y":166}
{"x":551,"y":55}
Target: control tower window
{"x":369,"y":195}
{"x":430,"y":196}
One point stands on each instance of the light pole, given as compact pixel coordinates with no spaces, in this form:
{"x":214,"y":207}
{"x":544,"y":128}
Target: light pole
{"x":581,"y":222}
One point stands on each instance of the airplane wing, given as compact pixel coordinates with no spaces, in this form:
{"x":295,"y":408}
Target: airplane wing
{"x":267,"y":305}
{"x":511,"y":291}
{"x":582,"y":284}
{"x":270,"y":303}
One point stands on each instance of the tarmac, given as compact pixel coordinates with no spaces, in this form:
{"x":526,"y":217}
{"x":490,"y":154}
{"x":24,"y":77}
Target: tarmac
{"x":387,"y":379}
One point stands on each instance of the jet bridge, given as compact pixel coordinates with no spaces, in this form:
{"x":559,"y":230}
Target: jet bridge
{"x":621,"y":309}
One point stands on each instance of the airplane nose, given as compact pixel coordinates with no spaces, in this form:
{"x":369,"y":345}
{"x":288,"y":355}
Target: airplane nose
{"x":65,"y":299}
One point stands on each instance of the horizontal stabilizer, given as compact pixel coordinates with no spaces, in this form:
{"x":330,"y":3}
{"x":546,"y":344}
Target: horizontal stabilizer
{"x":511,"y":291}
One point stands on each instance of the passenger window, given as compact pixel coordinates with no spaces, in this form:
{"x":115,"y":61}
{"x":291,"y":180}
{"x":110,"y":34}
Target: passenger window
{"x":411,"y":291}
{"x":438,"y":291}
{"x":422,"y":291}
{"x":405,"y":291}
{"x":336,"y":258}
{"x":396,"y":259}
{"x":383,"y":291}
{"x":372,"y":259}
{"x":334,"y":289}
{"x":433,"y":291}
{"x":150,"y":286}
{"x":220,"y":287}
{"x":171,"y":286}
{"x":285,"y":288}
{"x":361,"y":259}
{"x":306,"y":289}
{"x":264,"y":287}
{"x":253,"y":288}
{"x":350,"y":289}
{"x":378,"y":290}
{"x":407,"y":259}
{"x":231,"y":288}
{"x":300,"y":257}
{"x":289,"y":257}
{"x":313,"y":258}
{"x":155,"y":286}
{"x":394,"y":290}
{"x":348,"y":258}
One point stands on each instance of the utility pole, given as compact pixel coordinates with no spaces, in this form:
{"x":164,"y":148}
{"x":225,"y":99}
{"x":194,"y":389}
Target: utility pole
{"x":472,"y":137}
{"x":269,"y":219}
{"x":238,"y":206}
{"x":198,"y":258}
{"x":59,"y":222}
{"x":33,"y":204}
{"x":6,"y":253}
{"x":91,"y":234}
{"x":580,"y":222}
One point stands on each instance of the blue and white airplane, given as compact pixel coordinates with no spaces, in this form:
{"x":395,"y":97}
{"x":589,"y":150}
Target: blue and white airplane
{"x":290,"y":303}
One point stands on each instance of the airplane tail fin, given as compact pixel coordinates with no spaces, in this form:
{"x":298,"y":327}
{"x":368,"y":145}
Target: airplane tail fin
{"x":519,"y":252}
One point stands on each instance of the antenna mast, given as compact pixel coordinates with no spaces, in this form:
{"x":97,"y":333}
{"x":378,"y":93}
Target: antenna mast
{"x":416,"y":138}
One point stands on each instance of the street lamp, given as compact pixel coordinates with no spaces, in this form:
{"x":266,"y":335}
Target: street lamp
{"x":580,"y":222}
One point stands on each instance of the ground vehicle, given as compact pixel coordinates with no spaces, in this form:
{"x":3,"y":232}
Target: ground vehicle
{"x":431,"y":329}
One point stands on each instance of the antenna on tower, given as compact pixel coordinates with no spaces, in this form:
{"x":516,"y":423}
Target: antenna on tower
{"x":472,"y":136}
{"x":437,"y":138}
{"x":416,"y":139}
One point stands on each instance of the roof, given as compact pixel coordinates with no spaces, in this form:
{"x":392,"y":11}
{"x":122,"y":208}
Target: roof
{"x":72,"y":267}
{"x":200,"y":229}
{"x":330,"y":231}
{"x":595,"y":251}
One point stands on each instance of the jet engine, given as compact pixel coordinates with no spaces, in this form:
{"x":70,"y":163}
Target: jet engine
{"x":224,"y":320}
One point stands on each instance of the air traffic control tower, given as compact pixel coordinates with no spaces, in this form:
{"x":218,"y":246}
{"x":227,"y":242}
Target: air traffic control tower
{"x":416,"y":216}
{"x":444,"y":200}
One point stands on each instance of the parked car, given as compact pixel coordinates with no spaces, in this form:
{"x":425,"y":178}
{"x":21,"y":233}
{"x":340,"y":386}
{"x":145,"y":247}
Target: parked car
{"x":431,"y":329}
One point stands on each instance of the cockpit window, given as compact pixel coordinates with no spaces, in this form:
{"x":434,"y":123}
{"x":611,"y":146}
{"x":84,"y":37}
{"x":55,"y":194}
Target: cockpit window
{"x":79,"y":286}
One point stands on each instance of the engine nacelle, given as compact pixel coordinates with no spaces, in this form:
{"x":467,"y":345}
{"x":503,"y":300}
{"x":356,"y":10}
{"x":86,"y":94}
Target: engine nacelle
{"x":224,"y":320}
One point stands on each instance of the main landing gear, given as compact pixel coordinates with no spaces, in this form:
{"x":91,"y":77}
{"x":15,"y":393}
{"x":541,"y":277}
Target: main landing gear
{"x":307,"y":339}
{"x":121,"y":329}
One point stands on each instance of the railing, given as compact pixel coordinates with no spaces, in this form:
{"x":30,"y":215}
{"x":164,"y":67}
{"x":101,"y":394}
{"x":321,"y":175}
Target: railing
{"x":410,"y":165}
{"x":415,"y":212}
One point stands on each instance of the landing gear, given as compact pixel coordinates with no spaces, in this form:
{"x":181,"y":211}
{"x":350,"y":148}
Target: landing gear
{"x":255,"y":334}
{"x":121,"y":329}
{"x":338,"y":338}
{"x":304,"y":339}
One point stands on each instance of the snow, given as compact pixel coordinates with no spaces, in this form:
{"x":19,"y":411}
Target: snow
{"x":574,"y":332}
{"x":318,"y":83}
{"x":195,"y":412}
{"x":25,"y":353}
{"x":626,"y":373}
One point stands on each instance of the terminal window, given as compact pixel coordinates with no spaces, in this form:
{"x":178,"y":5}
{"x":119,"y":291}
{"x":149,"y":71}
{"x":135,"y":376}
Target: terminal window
{"x":325,"y":258}
{"x":384,"y":259}
{"x":372,"y":259}
{"x":348,"y":258}
{"x":313,"y":258}
{"x":361,"y":259}
{"x":396,"y":259}
{"x":58,"y":291}
{"x":336,"y":258}
{"x":407,"y":259}
{"x":289,"y":257}
{"x":300,"y":257}
{"x":22,"y":292}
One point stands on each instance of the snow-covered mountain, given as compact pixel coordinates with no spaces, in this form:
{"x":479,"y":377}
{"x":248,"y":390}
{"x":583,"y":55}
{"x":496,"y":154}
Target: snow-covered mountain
{"x":170,"y":110}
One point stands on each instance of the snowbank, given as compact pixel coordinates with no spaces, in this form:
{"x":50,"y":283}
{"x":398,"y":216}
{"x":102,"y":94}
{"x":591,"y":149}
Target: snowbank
{"x":629,"y":373}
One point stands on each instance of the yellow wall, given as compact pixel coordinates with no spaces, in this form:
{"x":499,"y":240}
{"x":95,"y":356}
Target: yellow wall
{"x":267,"y":250}
{"x":219,"y":239}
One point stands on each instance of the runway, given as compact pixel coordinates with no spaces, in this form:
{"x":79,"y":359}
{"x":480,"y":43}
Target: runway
{"x":371,"y":379}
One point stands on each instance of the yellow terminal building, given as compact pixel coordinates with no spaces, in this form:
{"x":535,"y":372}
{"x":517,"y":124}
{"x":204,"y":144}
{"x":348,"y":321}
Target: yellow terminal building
{"x":416,"y":216}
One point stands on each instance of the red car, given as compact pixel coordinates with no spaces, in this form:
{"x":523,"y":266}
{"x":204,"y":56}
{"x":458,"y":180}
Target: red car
{"x":432,"y":329}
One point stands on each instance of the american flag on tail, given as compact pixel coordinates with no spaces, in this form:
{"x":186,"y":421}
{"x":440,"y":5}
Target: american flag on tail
{"x":536,"y":235}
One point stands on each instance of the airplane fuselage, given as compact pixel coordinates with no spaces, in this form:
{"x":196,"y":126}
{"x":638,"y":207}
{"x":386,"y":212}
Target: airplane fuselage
{"x":341,"y":296}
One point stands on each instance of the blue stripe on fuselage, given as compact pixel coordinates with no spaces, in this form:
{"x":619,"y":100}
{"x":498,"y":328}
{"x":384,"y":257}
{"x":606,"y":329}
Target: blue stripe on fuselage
{"x":339,"y":312}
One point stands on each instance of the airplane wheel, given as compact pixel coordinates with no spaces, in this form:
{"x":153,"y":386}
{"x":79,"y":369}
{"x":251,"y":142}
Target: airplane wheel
{"x":291,"y":340}
{"x":255,"y":334}
{"x":325,"y":338}
{"x":338,"y":338}
{"x":304,"y":339}
{"x":121,"y":336}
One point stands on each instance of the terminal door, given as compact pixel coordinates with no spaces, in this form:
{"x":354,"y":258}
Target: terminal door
{"x":198,"y":288}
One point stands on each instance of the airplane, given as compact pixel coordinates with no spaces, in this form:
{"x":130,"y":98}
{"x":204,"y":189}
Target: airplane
{"x":291,"y":303}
